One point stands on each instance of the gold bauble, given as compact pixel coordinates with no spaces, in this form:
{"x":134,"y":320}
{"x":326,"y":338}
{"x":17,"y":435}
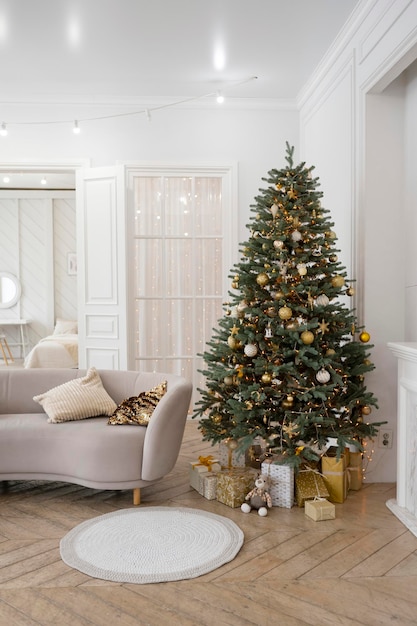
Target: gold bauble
{"x":285,"y":313}
{"x":262,"y":279}
{"x":232,"y":342}
{"x":350,"y":291}
{"x":235,"y":285}
{"x":278,"y":244}
{"x":271,"y":312}
{"x":266,"y":378}
{"x":364,"y":336}
{"x":292,"y":325}
{"x":228,"y":380}
{"x":366,"y":410}
{"x":287,"y":404}
{"x":216,"y":418}
{"x":338,"y":281}
{"x":307,"y":337}
{"x":333,"y":258}
{"x":278,"y":295}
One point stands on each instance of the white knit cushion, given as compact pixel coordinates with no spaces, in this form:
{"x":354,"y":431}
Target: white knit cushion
{"x":77,"y":399}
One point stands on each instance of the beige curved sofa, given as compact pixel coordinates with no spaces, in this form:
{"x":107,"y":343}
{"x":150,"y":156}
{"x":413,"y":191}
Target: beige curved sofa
{"x":89,"y":452}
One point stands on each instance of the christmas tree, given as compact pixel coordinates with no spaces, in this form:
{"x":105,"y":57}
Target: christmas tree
{"x":287,"y":364}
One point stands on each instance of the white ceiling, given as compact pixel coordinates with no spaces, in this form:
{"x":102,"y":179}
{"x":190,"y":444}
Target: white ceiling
{"x":98,"y":51}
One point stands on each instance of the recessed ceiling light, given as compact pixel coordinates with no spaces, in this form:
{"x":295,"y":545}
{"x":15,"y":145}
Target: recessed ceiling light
{"x":6,"y":179}
{"x":43,"y":181}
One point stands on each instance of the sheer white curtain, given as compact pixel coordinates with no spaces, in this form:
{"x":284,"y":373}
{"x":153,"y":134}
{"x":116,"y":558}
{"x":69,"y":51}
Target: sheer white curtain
{"x":178,"y":270}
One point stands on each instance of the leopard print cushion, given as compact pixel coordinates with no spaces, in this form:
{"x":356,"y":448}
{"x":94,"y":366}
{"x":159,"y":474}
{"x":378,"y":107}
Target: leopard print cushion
{"x":138,"y":410}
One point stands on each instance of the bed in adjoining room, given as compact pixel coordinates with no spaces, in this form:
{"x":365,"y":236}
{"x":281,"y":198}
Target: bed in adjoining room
{"x":57,"y":350}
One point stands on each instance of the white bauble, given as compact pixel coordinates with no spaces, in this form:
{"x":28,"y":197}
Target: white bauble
{"x":323,"y":376}
{"x":274,"y":210}
{"x":322,"y":300}
{"x":251,"y":350}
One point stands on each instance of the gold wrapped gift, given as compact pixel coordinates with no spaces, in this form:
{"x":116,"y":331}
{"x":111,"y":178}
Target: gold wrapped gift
{"x":355,"y":471}
{"x":309,"y":484}
{"x":233,"y":485}
{"x":335,"y":476}
{"x":204,"y":465}
{"x":320,"y":509}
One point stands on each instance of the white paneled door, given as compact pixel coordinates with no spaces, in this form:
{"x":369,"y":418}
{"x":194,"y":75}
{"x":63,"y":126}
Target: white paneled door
{"x":156,"y":256}
{"x":101,"y":246}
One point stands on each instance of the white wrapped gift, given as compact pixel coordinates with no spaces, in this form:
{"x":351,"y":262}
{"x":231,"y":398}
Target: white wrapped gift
{"x":205,"y":465}
{"x":281,"y":477}
{"x":231,"y":458}
{"x":208,"y":485}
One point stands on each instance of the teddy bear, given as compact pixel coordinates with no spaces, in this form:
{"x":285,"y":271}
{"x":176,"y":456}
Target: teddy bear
{"x":259,"y":498}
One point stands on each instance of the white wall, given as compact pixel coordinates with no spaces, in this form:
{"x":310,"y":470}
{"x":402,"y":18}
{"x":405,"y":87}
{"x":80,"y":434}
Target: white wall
{"x":253,"y":136}
{"x":358,"y":113}
{"x":409,"y":230}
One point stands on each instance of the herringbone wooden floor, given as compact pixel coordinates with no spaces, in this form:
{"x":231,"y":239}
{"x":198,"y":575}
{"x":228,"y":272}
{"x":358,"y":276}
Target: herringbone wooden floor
{"x":360,"y":568}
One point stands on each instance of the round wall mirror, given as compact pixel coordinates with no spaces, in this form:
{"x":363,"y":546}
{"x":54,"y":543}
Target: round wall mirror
{"x":10,"y":290}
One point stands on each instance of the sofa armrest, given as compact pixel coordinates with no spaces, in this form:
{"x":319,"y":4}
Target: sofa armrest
{"x":165,"y":431}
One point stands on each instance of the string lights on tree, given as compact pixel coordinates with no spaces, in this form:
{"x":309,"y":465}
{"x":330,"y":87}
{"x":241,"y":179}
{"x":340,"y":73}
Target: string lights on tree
{"x":288,"y":361}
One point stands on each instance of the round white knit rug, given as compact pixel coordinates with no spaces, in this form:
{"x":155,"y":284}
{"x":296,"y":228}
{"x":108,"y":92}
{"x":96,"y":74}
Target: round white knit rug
{"x":151,"y":545}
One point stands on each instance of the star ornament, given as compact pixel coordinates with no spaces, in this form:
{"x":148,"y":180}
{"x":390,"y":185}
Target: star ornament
{"x":291,"y":429}
{"x":323,"y":327}
{"x":292,"y":194}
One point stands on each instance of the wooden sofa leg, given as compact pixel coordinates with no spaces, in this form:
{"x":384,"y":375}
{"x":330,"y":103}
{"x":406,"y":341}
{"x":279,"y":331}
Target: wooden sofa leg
{"x":136,"y":496}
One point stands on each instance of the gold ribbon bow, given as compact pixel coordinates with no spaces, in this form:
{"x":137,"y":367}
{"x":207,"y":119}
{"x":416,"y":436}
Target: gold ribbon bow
{"x":207,"y":461}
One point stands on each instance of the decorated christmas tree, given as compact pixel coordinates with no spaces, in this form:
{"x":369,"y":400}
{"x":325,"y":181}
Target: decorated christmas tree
{"x":287,"y":364}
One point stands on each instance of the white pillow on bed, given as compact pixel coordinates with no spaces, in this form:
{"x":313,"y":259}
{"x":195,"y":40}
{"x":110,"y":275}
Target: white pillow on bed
{"x":77,"y":399}
{"x":65,"y":327}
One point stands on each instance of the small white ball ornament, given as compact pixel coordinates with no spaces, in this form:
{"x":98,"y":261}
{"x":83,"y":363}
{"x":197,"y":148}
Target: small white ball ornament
{"x":322,"y":300}
{"x":323,"y":376}
{"x":250,"y":350}
{"x":296,"y":235}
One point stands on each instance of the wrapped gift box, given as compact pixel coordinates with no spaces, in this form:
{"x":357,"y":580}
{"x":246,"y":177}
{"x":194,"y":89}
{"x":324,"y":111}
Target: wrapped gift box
{"x":231,"y":458}
{"x":208,"y":485}
{"x":355,"y":471}
{"x":233,"y":485}
{"x":320,"y":509}
{"x":204,"y":465}
{"x":254,"y":456}
{"x":309,"y":484}
{"x":335,"y":476}
{"x":281,"y":476}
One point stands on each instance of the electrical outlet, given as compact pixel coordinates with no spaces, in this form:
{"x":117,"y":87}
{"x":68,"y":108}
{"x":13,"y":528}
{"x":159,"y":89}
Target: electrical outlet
{"x":385,"y":438}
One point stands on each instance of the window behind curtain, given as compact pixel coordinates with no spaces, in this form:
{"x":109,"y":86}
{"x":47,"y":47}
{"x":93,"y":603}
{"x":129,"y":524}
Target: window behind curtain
{"x":177,"y":277}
